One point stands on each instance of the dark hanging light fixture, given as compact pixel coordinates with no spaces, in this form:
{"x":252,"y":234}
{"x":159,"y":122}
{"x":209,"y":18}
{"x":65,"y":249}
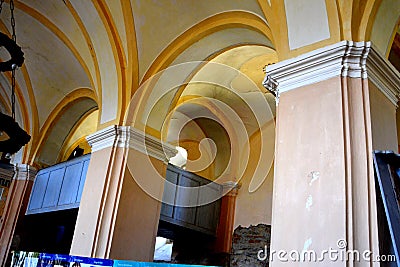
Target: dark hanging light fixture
{"x":17,"y":136}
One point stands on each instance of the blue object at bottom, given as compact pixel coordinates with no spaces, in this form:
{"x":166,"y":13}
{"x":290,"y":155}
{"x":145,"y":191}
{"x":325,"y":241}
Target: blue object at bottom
{"x":118,"y":263}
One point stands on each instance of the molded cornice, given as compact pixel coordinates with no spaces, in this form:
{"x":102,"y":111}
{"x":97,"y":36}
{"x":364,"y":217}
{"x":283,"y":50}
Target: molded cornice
{"x":18,"y":172}
{"x":129,"y":137}
{"x":384,"y":75}
{"x":25,"y":172}
{"x":346,"y":59}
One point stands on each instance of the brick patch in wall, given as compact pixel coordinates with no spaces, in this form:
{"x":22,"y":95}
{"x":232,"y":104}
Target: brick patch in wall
{"x":246,"y":243}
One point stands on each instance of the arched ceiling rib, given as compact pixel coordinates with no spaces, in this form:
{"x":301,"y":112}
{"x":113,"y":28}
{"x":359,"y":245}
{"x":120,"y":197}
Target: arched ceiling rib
{"x":220,"y":40}
{"x":26,"y":111}
{"x":59,"y":23}
{"x":119,"y":58}
{"x":4,"y":106}
{"x":386,"y":19}
{"x":116,"y":11}
{"x":57,"y":135}
{"x":221,"y":21}
{"x":109,"y":46}
{"x":107,"y":65}
{"x":228,"y":79}
{"x":62,"y":107}
{"x":51,"y":80}
{"x":86,"y":126}
{"x":88,"y":43}
{"x":152,"y":16}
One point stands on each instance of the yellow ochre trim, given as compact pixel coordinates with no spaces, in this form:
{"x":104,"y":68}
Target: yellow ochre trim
{"x":62,"y":153}
{"x":55,"y":30}
{"x":55,"y":115}
{"x":118,"y":53}
{"x":176,"y":100}
{"x":334,"y":29}
{"x":23,"y":107}
{"x":90,"y":45}
{"x":265,"y":8}
{"x":396,"y":28}
{"x":231,"y":19}
{"x":5,"y":104}
{"x":206,"y":27}
{"x":367,"y":20}
{"x":133,"y":54}
{"x":34,"y":112}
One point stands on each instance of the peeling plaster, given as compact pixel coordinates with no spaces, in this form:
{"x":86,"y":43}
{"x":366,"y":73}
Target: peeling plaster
{"x":309,"y":202}
{"x":307,"y":244}
{"x":314,"y":176}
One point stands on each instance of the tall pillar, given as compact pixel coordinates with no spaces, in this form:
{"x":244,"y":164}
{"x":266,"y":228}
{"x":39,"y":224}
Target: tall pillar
{"x":16,"y":205}
{"x":120,"y":205}
{"x":324,"y":190}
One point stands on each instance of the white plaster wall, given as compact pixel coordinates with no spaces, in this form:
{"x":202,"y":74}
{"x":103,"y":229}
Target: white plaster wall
{"x":307,"y":22}
{"x":383,"y":120}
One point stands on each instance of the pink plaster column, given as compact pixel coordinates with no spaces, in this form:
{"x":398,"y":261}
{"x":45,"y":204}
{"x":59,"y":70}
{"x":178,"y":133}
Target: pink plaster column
{"x":324,"y":189}
{"x":225,"y":229}
{"x":16,"y":205}
{"x":121,"y":201}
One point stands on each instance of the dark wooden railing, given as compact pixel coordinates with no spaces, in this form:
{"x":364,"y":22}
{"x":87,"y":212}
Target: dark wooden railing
{"x":199,"y":216}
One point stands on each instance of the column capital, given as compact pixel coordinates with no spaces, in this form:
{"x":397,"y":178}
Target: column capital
{"x":25,"y":172}
{"x":231,"y":188}
{"x":346,"y":59}
{"x":130,"y":137}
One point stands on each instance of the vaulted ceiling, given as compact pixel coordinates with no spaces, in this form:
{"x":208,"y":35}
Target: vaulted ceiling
{"x":81,"y":56}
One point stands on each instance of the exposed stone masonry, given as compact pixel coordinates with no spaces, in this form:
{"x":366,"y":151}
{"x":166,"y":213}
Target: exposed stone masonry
{"x":247,"y":241}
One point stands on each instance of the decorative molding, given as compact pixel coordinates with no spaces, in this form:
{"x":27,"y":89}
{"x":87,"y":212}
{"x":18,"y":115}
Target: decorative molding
{"x":231,"y":188}
{"x":384,"y":75}
{"x":104,"y":138}
{"x":129,"y":137}
{"x":346,"y":58}
{"x":25,"y":172}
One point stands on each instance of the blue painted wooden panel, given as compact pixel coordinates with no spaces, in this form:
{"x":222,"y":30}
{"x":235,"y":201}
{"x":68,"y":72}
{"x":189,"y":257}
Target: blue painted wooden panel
{"x":39,"y":188}
{"x":70,"y":186}
{"x":82,"y":180}
{"x":53,"y":188}
{"x":59,"y":187}
{"x":123,"y":263}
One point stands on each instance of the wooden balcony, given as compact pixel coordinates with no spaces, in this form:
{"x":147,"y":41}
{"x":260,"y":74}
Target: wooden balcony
{"x":60,"y":187}
{"x":198,"y":217}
